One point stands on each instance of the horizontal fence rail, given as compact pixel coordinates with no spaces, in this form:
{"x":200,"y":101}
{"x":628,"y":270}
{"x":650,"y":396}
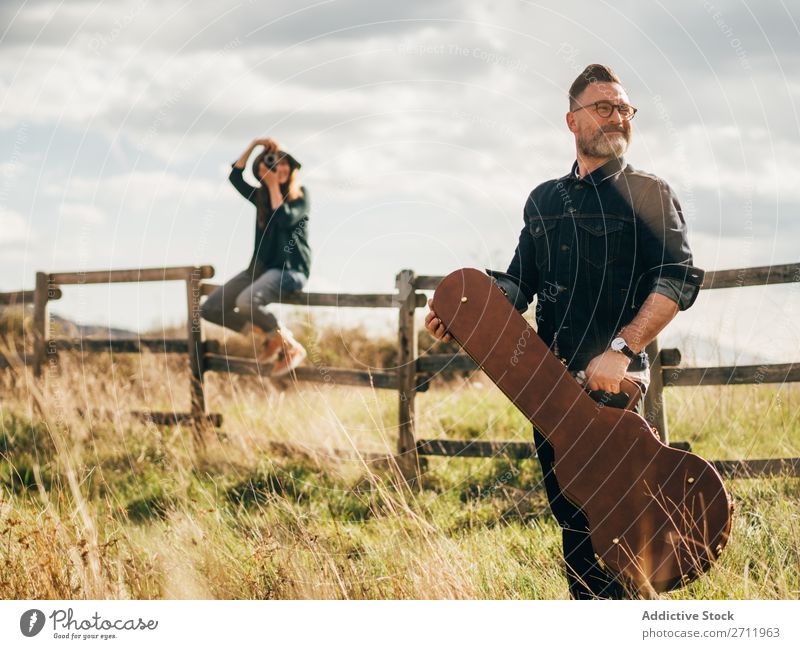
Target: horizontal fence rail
{"x":132,"y":275}
{"x":413,"y":373}
{"x":126,"y":345}
{"x":442,"y":363}
{"x":524,"y":450}
{"x":358,"y":300}
{"x":204,"y":355}
{"x":664,"y":373}
{"x":26,"y":297}
{"x":331,"y":375}
{"x":729,"y":278}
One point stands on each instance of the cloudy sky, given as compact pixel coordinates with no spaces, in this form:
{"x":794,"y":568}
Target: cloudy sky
{"x":421,"y":127}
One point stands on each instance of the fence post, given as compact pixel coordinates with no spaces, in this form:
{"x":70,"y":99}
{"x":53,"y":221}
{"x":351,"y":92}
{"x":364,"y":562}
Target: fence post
{"x":194,"y":342}
{"x":408,"y":460}
{"x":654,"y":405}
{"x":40,"y":298}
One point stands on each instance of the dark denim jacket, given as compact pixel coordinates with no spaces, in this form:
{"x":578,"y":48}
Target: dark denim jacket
{"x":591,"y":250}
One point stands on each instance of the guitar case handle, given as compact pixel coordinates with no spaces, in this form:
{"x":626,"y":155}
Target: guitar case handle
{"x":630,"y":392}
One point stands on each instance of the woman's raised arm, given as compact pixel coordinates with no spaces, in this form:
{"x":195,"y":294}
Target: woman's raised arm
{"x":268,"y":143}
{"x":242,"y":161}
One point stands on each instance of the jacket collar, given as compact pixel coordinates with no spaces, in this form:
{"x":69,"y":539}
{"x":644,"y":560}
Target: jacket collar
{"x":611,"y":168}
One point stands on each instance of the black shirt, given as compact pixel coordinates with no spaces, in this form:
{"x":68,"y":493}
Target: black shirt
{"x":281,"y":235}
{"x":591,"y":249}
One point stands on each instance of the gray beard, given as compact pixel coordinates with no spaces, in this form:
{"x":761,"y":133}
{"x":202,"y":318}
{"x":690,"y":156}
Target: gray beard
{"x":602,"y":146}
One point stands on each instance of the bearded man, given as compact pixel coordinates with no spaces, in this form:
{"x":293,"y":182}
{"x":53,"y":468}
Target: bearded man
{"x":604,"y":251}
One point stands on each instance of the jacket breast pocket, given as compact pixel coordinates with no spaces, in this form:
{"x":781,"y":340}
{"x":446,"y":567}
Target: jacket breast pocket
{"x":543,"y":234}
{"x":599,"y":240}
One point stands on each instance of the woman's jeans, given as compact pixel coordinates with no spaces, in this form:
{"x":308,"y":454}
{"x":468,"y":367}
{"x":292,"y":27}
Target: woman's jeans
{"x":244,"y":298}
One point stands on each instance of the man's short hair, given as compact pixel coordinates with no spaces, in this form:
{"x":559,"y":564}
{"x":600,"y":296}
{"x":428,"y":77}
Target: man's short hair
{"x":594,"y":73}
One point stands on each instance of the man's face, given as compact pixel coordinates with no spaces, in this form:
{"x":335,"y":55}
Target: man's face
{"x":596,"y":136}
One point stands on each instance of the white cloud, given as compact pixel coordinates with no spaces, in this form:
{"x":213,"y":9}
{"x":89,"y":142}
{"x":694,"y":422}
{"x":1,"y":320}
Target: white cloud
{"x":141,"y":190}
{"x":82,"y":213}
{"x":14,"y":228}
{"x":134,"y":107}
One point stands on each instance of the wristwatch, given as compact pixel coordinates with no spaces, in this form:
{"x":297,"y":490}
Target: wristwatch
{"x":619,"y":345}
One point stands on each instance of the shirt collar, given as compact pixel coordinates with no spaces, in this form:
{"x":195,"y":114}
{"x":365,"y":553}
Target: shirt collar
{"x":603,"y":172}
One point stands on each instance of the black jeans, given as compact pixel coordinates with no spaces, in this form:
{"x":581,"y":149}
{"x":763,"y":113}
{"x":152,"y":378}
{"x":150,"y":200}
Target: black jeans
{"x":586,"y":579}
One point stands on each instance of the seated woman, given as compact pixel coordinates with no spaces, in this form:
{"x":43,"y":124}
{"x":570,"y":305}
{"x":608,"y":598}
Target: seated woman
{"x":281,"y":260}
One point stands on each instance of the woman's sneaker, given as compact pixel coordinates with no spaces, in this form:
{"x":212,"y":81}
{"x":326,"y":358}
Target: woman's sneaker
{"x":270,"y":348}
{"x":293,"y":354}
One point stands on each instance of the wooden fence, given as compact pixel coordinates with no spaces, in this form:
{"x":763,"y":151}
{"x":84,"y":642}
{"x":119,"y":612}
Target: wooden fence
{"x":205,"y":355}
{"x":413,"y":373}
{"x":665,"y":372}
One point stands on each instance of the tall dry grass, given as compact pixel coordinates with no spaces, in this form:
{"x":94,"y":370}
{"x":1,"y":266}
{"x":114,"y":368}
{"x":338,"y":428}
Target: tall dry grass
{"x":97,"y":504}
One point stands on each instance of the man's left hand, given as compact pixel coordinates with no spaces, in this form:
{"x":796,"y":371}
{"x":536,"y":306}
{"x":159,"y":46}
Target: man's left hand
{"x":606,"y":371}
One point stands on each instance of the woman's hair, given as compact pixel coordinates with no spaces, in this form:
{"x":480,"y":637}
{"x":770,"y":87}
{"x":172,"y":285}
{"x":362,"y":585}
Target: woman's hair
{"x":291,"y":188}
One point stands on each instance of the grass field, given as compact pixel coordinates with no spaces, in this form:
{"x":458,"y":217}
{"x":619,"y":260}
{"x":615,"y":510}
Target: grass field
{"x":109,"y":507}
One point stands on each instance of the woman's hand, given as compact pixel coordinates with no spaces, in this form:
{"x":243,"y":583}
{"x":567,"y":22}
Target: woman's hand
{"x":435,"y":326}
{"x":271,"y":180}
{"x":268,"y":143}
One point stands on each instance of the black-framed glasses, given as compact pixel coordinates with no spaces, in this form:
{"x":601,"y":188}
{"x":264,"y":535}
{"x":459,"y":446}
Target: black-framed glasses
{"x":605,"y":108}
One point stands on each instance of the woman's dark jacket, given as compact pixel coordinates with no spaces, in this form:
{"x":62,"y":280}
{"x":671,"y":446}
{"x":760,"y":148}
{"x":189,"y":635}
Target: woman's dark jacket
{"x":281,"y":235}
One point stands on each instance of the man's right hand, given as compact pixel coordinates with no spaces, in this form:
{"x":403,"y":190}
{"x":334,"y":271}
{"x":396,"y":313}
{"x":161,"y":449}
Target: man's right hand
{"x":435,"y":326}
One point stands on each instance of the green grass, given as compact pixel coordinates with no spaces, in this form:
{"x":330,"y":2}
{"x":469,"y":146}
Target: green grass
{"x":112,"y":507}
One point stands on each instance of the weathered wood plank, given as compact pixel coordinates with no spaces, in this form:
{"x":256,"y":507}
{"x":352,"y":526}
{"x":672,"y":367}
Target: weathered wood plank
{"x":735,"y":375}
{"x":482,"y":448}
{"x":475,"y":448}
{"x":728,"y":278}
{"x":132,"y":275}
{"x":755,"y":276}
{"x":120,"y":345}
{"x":655,"y":407}
{"x":158,"y":418}
{"x":194,"y":340}
{"x":127,"y":345}
{"x":174,"y":418}
{"x":330,"y":375}
{"x":408,"y":352}
{"x":358,"y":300}
{"x":427,"y":282}
{"x":27,"y":297}
{"x":40,"y":328}
{"x":759,"y":468}
{"x":444,"y":363}
{"x":670,"y":357}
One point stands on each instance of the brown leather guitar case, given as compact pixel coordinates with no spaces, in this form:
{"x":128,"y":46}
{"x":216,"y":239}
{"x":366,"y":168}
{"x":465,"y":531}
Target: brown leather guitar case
{"x":658,"y":516}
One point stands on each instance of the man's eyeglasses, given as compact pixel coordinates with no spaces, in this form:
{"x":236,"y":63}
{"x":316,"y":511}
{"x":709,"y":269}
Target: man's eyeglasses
{"x":605,"y":108}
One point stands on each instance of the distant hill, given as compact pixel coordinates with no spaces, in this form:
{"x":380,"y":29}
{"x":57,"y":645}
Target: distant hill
{"x":71,"y":329}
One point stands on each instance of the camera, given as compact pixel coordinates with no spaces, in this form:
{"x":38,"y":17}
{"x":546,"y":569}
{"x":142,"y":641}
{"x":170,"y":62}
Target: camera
{"x":271,"y":160}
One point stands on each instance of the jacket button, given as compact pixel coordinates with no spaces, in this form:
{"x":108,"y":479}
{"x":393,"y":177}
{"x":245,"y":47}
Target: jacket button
{"x":564,"y":247}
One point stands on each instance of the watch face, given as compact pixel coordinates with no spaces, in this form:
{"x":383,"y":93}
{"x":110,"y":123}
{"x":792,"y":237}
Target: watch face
{"x":617,"y":344}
